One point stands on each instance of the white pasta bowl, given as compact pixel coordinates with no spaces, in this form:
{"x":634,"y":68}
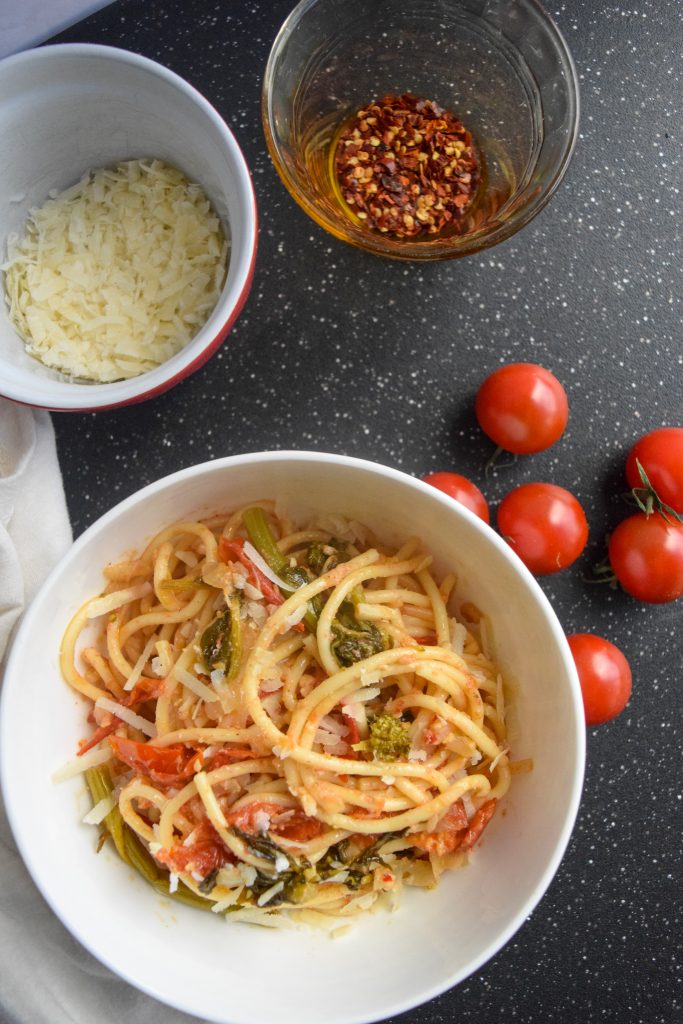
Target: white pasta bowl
{"x":73,"y":108}
{"x":387,"y":961}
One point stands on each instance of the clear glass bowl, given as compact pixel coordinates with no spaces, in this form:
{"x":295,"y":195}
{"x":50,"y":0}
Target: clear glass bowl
{"x":501,"y":66}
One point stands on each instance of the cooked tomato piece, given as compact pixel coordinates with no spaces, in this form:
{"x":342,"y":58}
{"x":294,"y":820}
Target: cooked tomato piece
{"x":296,"y":826}
{"x":479,"y":821}
{"x":352,"y":736}
{"x":299,"y":828}
{"x":448,"y":834}
{"x":229,"y":755}
{"x":99,"y":734}
{"x":361,"y":842}
{"x":164,"y":765}
{"x":204,"y":854}
{"x":144,"y":689}
{"x":244,"y":818}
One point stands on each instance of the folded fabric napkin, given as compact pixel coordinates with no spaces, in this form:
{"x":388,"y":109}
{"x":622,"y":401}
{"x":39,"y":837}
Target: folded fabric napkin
{"x":47,"y":977}
{"x":34,"y":525}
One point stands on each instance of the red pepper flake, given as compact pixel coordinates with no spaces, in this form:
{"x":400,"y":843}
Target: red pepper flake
{"x":406,"y":166}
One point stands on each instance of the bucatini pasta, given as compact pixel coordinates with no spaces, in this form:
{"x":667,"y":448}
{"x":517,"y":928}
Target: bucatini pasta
{"x":288,"y":722}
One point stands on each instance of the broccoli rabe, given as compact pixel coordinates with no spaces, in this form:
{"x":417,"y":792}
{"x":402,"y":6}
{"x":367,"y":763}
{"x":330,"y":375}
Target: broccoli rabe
{"x":263,"y":540}
{"x":389,"y":738}
{"x":221,"y":641}
{"x":323,"y":557}
{"x":355,"y":639}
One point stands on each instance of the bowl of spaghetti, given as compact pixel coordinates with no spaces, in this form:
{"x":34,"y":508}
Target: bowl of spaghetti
{"x":292,"y":706}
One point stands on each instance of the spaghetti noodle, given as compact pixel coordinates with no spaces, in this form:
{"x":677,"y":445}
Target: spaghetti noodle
{"x":288,"y":722}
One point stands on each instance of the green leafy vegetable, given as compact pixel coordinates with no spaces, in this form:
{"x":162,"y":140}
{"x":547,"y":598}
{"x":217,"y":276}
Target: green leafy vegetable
{"x":221,"y":641}
{"x":208,"y":884}
{"x":261,"y":537}
{"x":321,"y":560}
{"x":295,"y":576}
{"x":260,"y":845}
{"x":354,"y":639}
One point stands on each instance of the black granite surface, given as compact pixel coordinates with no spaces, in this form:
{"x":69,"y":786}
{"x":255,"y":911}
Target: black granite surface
{"x":340,"y":351}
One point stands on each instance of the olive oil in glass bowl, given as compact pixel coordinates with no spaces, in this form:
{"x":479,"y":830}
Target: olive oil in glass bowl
{"x":500,"y":66}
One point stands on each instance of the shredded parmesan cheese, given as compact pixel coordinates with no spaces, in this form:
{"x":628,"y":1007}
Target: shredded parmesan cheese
{"x":126,"y":715}
{"x":363,"y":695}
{"x":261,"y":564}
{"x":81,"y":764}
{"x":140,"y":664}
{"x":100,"y":811}
{"x":268,"y":895}
{"x":117,"y":273}
{"x":191,"y":682}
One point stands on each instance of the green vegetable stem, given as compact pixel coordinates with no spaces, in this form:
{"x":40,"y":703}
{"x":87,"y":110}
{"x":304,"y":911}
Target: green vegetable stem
{"x":129,"y":847}
{"x":221,"y":641}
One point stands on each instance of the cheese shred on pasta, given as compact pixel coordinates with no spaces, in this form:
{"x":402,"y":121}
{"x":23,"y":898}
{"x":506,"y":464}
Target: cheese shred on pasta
{"x":116,"y":274}
{"x":346,"y":736}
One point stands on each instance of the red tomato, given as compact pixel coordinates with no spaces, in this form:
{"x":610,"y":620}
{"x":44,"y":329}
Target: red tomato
{"x":448,"y":835}
{"x":604,"y":674}
{"x":522,"y":407}
{"x":660,"y":453}
{"x":545,"y":525}
{"x":646,"y":553}
{"x":229,"y":755}
{"x":295,"y":825}
{"x":463,"y":490}
{"x":477,"y":825}
{"x":203,"y":855}
{"x":164,"y":765}
{"x":245,"y":817}
{"x":299,"y":828}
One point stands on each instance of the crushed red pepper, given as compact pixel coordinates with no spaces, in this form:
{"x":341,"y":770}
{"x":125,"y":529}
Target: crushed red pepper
{"x":406,"y":166}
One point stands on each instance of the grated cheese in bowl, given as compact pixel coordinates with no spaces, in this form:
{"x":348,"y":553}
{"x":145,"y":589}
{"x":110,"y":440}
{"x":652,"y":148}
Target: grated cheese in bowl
{"x":117,"y":273}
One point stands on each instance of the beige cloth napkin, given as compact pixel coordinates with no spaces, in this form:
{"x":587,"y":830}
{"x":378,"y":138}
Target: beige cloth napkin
{"x":46,"y":976}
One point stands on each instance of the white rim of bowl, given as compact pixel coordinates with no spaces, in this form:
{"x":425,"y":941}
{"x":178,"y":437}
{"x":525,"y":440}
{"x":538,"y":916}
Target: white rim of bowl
{"x":71,"y":397}
{"x":15,"y":814}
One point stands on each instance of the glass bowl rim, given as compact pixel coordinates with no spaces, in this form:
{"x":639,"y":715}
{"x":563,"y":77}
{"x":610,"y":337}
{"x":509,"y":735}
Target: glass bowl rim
{"x":376,"y":243}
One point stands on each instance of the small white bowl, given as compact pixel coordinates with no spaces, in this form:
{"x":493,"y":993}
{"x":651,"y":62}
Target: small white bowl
{"x":241,"y":974}
{"x":72,"y":108}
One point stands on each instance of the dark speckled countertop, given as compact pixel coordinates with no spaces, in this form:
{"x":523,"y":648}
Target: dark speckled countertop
{"x":340,"y":351}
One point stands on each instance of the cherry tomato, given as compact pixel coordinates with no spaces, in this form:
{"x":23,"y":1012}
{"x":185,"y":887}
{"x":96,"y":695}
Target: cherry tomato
{"x":463,"y":490}
{"x":522,"y":407}
{"x":660,"y":453}
{"x":646,"y":553}
{"x":545,"y":525}
{"x":604,"y":674}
